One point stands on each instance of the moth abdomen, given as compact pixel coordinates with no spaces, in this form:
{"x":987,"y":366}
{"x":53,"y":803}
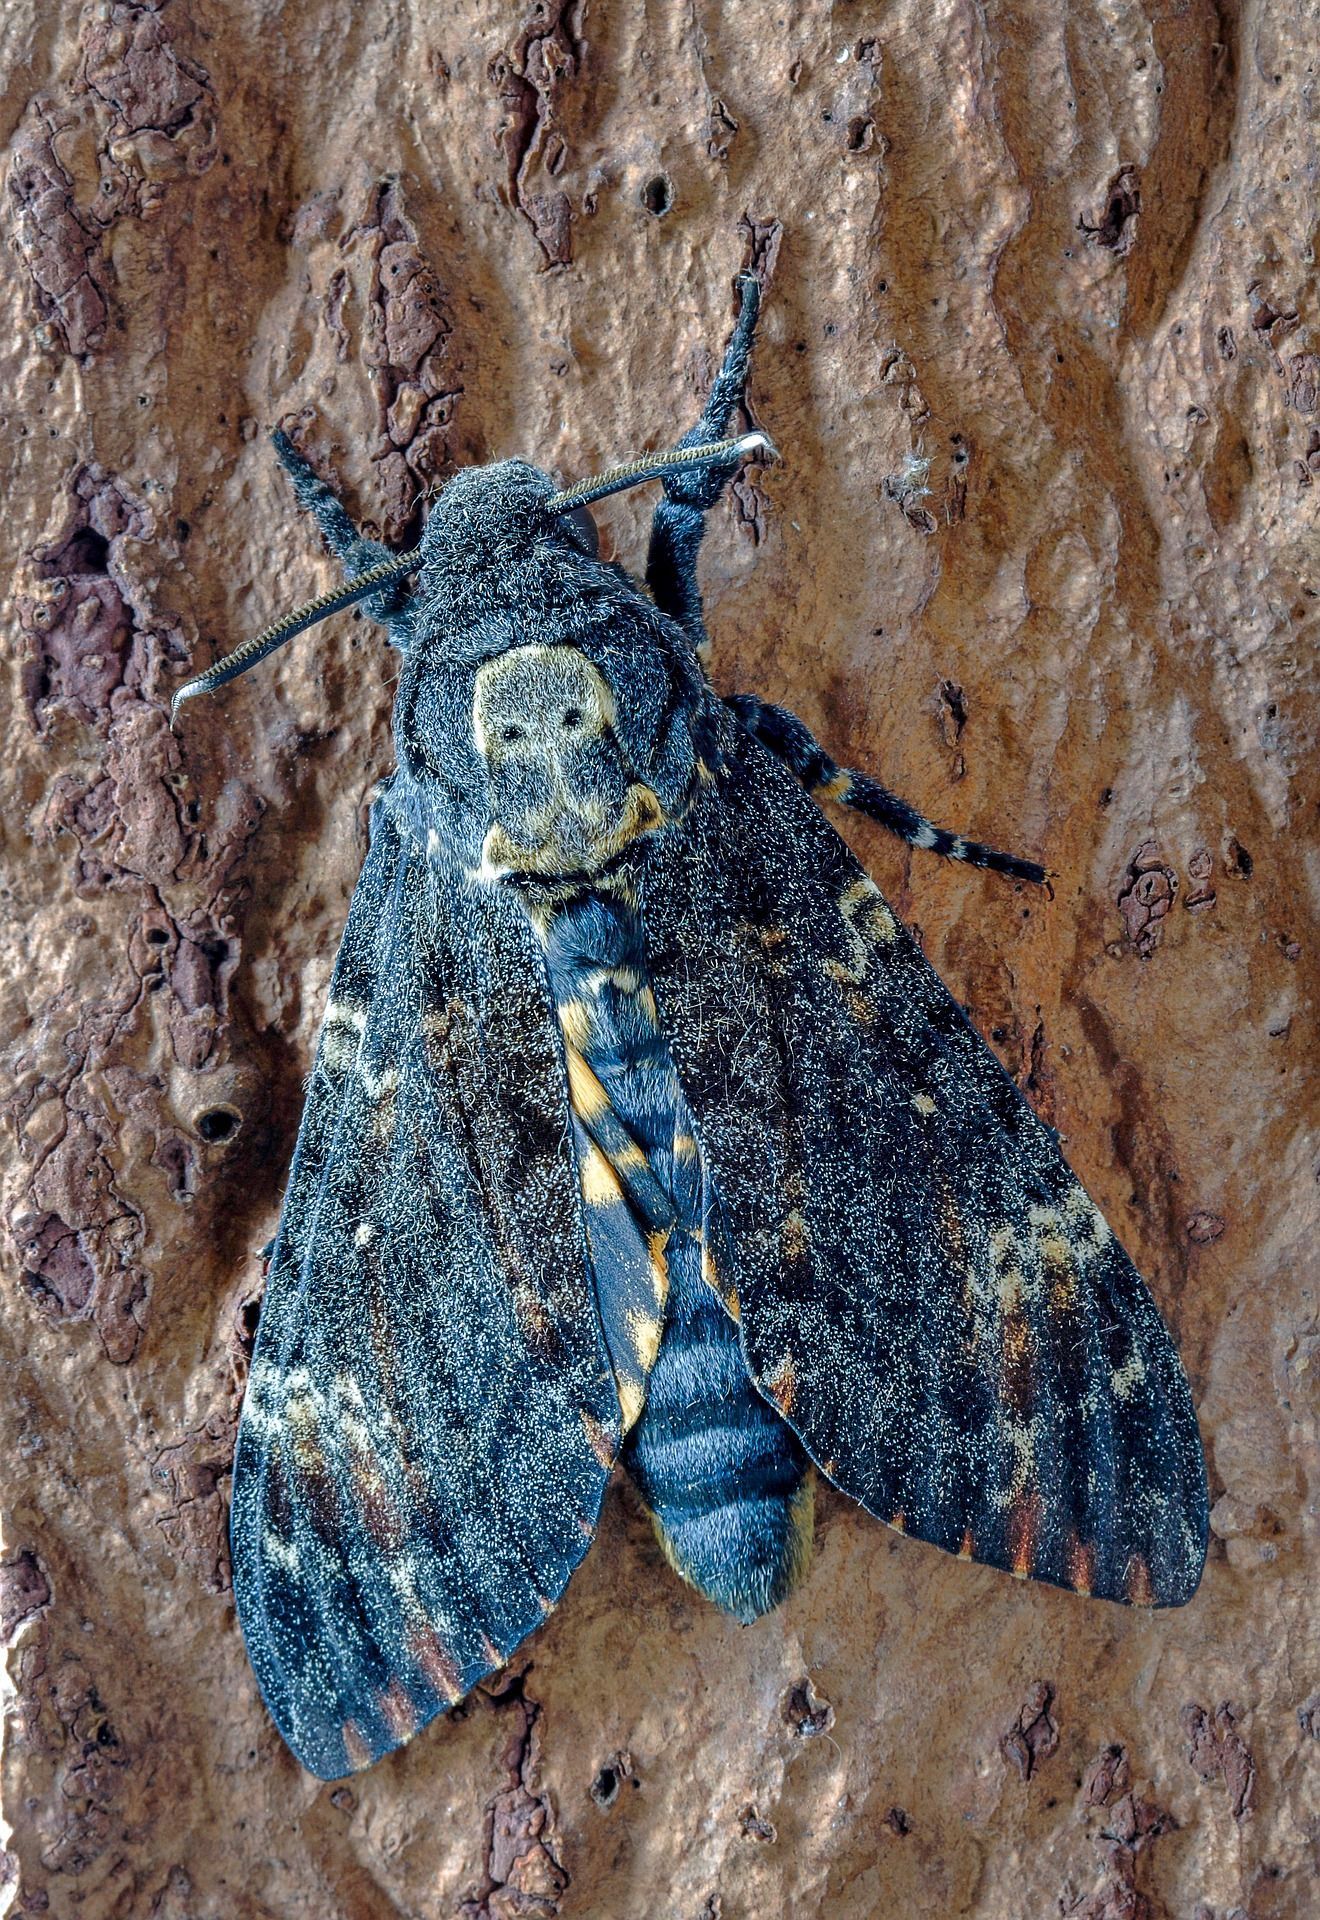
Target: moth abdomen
{"x":726,"y":1480}
{"x":728,"y":1485}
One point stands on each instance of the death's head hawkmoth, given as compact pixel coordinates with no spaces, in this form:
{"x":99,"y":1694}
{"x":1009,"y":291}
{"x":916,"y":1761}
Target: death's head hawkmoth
{"x":640,"y":1131}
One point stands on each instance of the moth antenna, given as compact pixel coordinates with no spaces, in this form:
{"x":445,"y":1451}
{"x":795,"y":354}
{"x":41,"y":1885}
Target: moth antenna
{"x":248,"y":654}
{"x":654,"y":466}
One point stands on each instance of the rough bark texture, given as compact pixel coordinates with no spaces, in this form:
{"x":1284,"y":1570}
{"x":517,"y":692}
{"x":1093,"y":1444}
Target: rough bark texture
{"x":1041,"y":352}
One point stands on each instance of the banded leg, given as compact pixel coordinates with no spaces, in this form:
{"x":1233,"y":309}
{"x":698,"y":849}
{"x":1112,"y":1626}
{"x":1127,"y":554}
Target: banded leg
{"x":355,"y":553}
{"x":680,"y":518}
{"x":792,"y":742}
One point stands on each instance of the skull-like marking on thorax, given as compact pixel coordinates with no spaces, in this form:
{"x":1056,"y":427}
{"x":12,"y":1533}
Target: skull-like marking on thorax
{"x":565,"y":800}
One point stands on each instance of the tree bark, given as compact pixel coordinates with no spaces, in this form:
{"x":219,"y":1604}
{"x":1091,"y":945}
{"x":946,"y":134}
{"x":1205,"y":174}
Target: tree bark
{"x":1040,"y":353}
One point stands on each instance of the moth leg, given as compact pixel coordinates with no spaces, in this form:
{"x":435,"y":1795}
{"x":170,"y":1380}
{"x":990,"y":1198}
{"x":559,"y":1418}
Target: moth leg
{"x":680,"y":518}
{"x":792,"y":742}
{"x":354,"y":551}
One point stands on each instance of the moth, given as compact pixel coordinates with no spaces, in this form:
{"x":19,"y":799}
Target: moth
{"x":641,"y":1132}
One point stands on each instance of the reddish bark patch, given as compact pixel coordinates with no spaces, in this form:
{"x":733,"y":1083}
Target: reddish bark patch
{"x":406,"y":340}
{"x":1034,"y":1735}
{"x":529,"y":77}
{"x":1131,"y":1824}
{"x":24,"y":1591}
{"x":1217,"y":1751}
{"x":58,"y":244}
{"x":145,"y":113}
{"x":1146,"y":897}
{"x":524,"y":1874}
{"x":189,"y":1473}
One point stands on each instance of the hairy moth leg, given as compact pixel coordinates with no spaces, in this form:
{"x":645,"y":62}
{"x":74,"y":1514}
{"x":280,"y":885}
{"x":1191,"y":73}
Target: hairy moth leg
{"x":680,"y":518}
{"x":791,"y":741}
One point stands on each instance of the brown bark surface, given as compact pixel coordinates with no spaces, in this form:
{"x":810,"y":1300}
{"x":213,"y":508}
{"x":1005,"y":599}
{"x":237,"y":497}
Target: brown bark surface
{"x":1040,"y":350}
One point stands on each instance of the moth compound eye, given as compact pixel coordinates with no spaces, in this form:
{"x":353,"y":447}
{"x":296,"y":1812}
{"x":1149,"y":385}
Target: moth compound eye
{"x":510,"y":734}
{"x":582,"y":529}
{"x":572,"y":719}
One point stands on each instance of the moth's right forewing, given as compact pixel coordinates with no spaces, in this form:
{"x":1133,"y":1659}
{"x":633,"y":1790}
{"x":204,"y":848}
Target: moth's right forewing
{"x":430,"y":1416}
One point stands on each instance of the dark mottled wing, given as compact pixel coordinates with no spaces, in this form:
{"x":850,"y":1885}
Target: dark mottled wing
{"x":927,"y":1293}
{"x":430,"y":1417}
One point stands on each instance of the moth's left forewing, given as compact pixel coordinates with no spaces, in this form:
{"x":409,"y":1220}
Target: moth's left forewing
{"x":430,"y":1417}
{"x":927,"y":1293}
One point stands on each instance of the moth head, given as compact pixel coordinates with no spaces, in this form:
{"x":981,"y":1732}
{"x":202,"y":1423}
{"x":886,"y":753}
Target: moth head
{"x":487,"y":525}
{"x":501,"y":509}
{"x":545,"y":705}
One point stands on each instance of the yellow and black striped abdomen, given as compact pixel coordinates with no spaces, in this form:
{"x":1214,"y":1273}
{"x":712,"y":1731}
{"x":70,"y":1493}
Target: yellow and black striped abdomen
{"x":728,"y":1484}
